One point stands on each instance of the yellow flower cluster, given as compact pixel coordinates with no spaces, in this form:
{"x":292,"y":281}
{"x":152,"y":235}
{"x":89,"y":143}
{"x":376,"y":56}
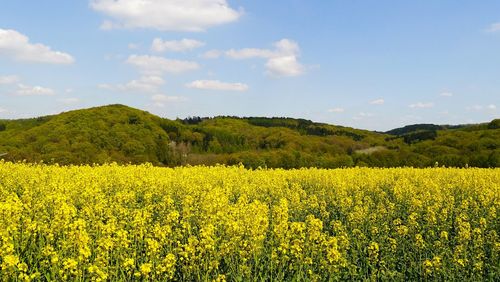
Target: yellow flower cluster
{"x":145,"y":223}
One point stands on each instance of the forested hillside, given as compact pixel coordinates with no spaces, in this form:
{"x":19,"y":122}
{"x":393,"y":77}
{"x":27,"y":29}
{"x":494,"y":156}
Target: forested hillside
{"x":118,"y":133}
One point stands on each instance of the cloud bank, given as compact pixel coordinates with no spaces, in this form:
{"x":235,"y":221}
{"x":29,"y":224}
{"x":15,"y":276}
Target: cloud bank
{"x":17,"y":46}
{"x":281,"y":61}
{"x":165,"y":15}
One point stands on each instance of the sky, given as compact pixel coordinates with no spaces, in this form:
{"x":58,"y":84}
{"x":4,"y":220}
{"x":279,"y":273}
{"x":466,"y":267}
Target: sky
{"x":373,"y":65}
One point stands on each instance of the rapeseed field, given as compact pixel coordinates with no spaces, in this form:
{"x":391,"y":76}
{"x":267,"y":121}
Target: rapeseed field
{"x":145,"y":223}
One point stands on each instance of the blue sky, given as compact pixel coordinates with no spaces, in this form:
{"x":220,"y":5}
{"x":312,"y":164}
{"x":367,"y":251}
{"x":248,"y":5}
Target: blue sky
{"x":367,"y":64}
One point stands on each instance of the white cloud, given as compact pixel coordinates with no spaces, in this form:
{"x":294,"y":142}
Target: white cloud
{"x":491,"y":107}
{"x":211,"y":54}
{"x":159,"y":65}
{"x":421,"y":105}
{"x":377,"y":102}
{"x":165,"y":15}
{"x":150,"y":84}
{"x":446,"y":94}
{"x":2,"y":111}
{"x":284,"y":66}
{"x":23,"y":89}
{"x":17,"y":46}
{"x":151,"y":68}
{"x":145,"y":83}
{"x":336,"y":110}
{"x":217,"y":85}
{"x":287,"y":47}
{"x":165,"y":98}
{"x":26,"y":90}
{"x":159,"y":45}
{"x":9,"y":79}
{"x":282,"y":61}
{"x":248,"y":53}
{"x":69,"y":101}
{"x":494,"y":27}
{"x":160,"y":100}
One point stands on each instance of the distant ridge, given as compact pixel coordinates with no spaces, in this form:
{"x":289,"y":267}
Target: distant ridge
{"x":425,"y":126}
{"x":118,"y":133}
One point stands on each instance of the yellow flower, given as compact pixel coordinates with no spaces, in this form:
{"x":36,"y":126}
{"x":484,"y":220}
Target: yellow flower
{"x":23,"y":267}
{"x":220,"y":278}
{"x":444,"y":235}
{"x":419,"y":241}
{"x":128,"y":263}
{"x":146,"y":269}
{"x":70,"y":264}
{"x":9,"y":261}
{"x":373,"y":252}
{"x":393,"y":244}
{"x":427,"y":265}
{"x":436,"y":262}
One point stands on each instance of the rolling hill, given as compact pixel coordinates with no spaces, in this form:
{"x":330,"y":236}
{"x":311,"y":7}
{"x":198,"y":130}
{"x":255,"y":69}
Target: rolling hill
{"x":118,"y":133}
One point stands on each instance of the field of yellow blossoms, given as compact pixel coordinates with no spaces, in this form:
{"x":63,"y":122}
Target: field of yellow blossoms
{"x":145,"y":223}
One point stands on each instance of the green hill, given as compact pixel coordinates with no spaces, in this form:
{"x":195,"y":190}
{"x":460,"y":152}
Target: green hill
{"x":97,"y":135}
{"x":118,"y":133}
